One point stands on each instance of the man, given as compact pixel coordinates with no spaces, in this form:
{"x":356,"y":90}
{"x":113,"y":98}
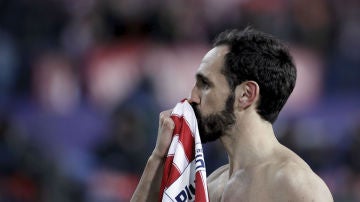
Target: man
{"x":241,"y":86}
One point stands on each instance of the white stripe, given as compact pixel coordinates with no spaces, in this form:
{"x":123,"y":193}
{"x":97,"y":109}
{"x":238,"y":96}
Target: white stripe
{"x":186,"y":178}
{"x":190,"y":118}
{"x":173,"y":145}
{"x":178,"y":110}
{"x":166,"y":198}
{"x":180,"y":159}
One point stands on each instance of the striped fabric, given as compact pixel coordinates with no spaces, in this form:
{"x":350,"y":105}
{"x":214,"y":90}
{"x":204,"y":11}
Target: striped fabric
{"x":184,"y":177}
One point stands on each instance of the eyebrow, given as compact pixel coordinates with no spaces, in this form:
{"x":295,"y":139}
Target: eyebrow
{"x":203,"y":78}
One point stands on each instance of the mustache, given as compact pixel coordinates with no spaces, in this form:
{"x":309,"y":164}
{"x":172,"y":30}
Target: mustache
{"x":196,"y":110}
{"x":198,"y":115}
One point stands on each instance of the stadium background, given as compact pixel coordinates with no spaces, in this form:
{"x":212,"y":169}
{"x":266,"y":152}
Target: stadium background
{"x":82,"y":83}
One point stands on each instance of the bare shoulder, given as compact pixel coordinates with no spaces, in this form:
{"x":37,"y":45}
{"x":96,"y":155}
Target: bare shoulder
{"x":295,"y":179}
{"x":216,"y":182}
{"x":215,"y":175}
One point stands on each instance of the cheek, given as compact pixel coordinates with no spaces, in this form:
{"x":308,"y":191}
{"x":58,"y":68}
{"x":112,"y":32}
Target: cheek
{"x":212,"y":103}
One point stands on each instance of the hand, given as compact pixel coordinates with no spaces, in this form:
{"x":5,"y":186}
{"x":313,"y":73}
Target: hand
{"x":166,"y":127}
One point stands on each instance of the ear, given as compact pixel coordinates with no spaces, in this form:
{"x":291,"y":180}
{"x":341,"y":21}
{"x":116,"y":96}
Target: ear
{"x":246,"y":94}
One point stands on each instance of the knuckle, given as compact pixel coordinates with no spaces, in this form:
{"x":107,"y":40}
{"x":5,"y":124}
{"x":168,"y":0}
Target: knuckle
{"x":169,"y":123}
{"x":164,"y":119}
{"x":165,"y":114}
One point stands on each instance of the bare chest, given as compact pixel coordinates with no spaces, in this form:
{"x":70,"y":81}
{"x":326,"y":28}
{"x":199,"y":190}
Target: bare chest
{"x":242,"y":187}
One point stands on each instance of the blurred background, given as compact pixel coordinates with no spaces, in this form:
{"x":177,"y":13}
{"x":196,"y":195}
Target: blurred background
{"x":82,"y":83}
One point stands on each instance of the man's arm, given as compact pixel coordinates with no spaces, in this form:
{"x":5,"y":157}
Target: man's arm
{"x":149,"y":185}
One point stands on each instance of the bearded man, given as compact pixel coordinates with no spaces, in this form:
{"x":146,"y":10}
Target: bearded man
{"x":241,"y":86}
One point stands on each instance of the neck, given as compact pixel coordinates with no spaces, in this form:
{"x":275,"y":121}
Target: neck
{"x":249,"y":142}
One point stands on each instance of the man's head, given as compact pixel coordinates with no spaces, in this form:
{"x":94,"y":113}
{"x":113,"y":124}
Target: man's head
{"x":252,"y":60}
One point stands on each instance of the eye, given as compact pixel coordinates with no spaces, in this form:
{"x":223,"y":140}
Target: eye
{"x":203,"y":84}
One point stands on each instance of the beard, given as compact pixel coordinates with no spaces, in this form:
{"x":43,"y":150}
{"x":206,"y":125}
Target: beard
{"x":213,"y":126}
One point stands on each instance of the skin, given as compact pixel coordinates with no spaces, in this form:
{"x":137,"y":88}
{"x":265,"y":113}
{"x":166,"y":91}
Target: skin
{"x":259,"y":168}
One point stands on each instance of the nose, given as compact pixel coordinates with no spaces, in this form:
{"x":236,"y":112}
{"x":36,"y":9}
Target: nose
{"x":194,"y":97}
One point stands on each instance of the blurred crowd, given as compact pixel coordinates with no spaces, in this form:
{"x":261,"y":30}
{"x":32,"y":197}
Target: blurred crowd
{"x":82,"y":83}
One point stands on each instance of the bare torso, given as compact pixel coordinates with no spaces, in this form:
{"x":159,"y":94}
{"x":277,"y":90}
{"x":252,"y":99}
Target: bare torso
{"x":250,"y":184}
{"x":261,"y":182}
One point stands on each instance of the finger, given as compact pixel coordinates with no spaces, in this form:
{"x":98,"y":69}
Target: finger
{"x":164,"y":115}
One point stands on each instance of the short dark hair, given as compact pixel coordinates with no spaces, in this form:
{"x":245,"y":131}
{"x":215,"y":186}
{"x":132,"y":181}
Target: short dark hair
{"x":259,"y":57}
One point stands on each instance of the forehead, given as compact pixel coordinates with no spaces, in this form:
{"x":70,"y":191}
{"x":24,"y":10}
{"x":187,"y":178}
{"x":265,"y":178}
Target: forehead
{"x":213,"y":61}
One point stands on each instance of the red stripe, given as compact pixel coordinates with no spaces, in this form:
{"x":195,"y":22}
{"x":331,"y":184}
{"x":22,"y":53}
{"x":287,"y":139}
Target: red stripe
{"x":165,"y":177}
{"x":185,"y":137}
{"x":187,"y":141}
{"x":200,"y":194}
{"x":174,"y":175}
{"x":178,"y":121}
